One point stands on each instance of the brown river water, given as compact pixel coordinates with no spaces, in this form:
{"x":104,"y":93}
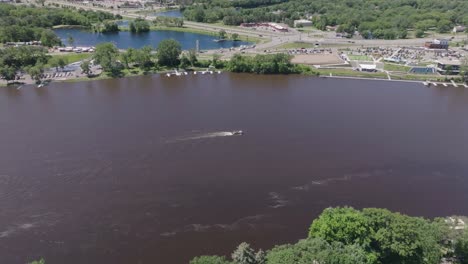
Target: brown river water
{"x":145,"y":169}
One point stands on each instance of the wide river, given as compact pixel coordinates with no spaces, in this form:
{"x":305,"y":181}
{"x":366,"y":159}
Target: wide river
{"x":144,"y":169}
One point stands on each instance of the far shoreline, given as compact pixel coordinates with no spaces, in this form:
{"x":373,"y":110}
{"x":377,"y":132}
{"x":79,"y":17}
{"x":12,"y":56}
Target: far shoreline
{"x":161,"y":73}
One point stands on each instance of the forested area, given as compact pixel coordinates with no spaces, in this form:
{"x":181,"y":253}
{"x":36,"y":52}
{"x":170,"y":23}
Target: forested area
{"x":385,"y":19}
{"x":369,"y":236}
{"x":28,"y":23}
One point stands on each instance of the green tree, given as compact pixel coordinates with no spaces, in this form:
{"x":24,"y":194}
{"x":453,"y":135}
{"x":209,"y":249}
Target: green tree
{"x":62,"y":62}
{"x":420,"y":33}
{"x":345,"y":225}
{"x":128,"y":57}
{"x":192,"y":57}
{"x":8,"y":72}
{"x":49,"y":39}
{"x":244,"y":254}
{"x":209,"y":260}
{"x":168,"y":52}
{"x":317,"y":250}
{"x":260,"y":257}
{"x":86,"y":67}
{"x":222,"y":34}
{"x":143,"y":57}
{"x":235,"y":36}
{"x":36,"y":72}
{"x":184,"y":62}
{"x":106,"y":55}
{"x":216,"y":60}
{"x":139,"y":25}
{"x":461,"y":248}
{"x":41,"y":261}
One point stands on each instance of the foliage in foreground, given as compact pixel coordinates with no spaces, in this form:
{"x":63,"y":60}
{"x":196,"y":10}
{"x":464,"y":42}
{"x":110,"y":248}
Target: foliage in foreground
{"x":370,"y":236}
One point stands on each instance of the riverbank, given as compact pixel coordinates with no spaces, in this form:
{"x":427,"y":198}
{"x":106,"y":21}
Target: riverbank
{"x":135,"y":72}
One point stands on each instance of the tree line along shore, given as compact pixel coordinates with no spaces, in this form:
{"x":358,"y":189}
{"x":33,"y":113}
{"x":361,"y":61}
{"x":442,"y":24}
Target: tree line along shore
{"x":115,"y":63}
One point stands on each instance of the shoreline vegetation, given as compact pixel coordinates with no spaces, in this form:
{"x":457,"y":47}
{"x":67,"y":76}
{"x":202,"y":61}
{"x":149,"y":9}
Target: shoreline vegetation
{"x":369,"y":236}
{"x":344,"y":235}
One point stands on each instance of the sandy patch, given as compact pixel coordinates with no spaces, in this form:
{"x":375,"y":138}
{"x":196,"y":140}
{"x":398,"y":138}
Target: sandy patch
{"x":317,"y":59}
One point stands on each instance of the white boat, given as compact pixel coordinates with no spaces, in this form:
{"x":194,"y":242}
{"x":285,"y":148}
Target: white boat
{"x":237,"y":132}
{"x":168,"y":74}
{"x":426,"y":83}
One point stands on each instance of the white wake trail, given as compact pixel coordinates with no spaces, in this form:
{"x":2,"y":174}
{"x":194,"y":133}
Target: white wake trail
{"x":201,"y":136}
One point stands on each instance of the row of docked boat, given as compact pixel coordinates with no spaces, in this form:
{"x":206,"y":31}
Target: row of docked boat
{"x":182,"y":73}
{"x":452,"y":83}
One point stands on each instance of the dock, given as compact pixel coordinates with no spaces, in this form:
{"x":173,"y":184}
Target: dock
{"x":454,"y":84}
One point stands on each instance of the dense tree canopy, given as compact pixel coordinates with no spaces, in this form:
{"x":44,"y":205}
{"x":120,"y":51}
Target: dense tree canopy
{"x":106,"y":55}
{"x":139,"y":25}
{"x":26,"y":58}
{"x":373,"y":18}
{"x":264,"y":64}
{"x":388,"y":237}
{"x":370,"y":236}
{"x":168,"y":52}
{"x":25,"y":23}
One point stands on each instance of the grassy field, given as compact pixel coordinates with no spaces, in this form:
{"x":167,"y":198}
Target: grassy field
{"x":360,"y":57}
{"x":69,"y":57}
{"x":351,"y":73}
{"x":295,"y":45}
{"x":396,"y":67}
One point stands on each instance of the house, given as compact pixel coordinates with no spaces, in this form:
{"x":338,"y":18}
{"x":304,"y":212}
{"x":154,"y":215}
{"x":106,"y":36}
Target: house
{"x":302,"y":23}
{"x":446,"y":66}
{"x":458,"y":29}
{"x":437,"y":44}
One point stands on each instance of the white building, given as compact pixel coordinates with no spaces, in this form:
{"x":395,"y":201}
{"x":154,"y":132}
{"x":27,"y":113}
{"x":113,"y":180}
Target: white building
{"x":302,"y":22}
{"x":457,"y":29}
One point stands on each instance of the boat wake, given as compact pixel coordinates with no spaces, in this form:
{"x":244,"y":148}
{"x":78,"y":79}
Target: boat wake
{"x":199,"y":136}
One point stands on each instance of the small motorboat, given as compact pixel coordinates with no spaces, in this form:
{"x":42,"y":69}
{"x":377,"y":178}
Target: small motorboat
{"x":237,"y":132}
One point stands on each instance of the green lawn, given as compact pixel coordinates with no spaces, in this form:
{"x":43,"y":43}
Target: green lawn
{"x":396,"y":67}
{"x":69,"y":57}
{"x":351,"y":73}
{"x":295,"y":45}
